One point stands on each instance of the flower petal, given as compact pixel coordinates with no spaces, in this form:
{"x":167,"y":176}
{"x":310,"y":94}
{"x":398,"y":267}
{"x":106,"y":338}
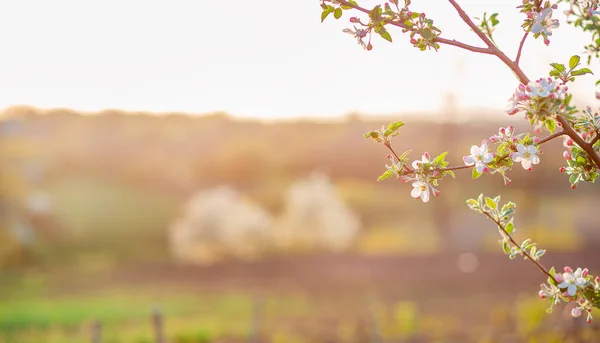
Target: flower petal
{"x":469,"y":160}
{"x":416,"y":192}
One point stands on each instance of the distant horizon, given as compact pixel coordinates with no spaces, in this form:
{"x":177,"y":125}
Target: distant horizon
{"x":459,"y":115}
{"x":262,"y":62}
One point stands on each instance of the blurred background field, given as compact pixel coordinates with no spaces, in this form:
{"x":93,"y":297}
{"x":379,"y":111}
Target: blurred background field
{"x":240,"y":229}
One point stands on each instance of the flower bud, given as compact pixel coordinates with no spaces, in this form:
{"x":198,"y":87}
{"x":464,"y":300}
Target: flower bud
{"x":436,"y":192}
{"x":493,"y":139}
{"x":569,"y":142}
{"x":413,"y":41}
{"x":558,"y":278}
{"x":597,"y":279}
{"x":427,"y":156}
{"x":510,"y":130}
{"x":568,"y":269}
{"x":485,"y":141}
{"x":584,"y":135}
{"x":567,"y":155}
{"x":536,"y":140}
{"x":354,"y":20}
{"x":555,"y":6}
{"x":546,"y":41}
{"x":585,"y":272}
{"x":573,"y":186}
{"x":502,"y":131}
{"x":369,"y":47}
{"x":507,"y":182}
{"x":542,"y":294}
{"x":589,"y":320}
{"x":389,"y":156}
{"x":561,"y":169}
{"x":436,"y":173}
{"x":576,"y":312}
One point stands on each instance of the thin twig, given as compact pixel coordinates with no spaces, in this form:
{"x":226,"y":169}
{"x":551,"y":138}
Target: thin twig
{"x":440,"y":40}
{"x":557,"y":134}
{"x":512,"y":240}
{"x":521,"y":48}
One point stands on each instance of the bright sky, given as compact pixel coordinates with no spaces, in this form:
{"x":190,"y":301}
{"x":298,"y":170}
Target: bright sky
{"x":270,"y":59}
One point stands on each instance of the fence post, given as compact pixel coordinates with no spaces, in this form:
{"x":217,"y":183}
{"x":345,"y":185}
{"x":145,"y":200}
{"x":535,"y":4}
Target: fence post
{"x":255,"y":321}
{"x":157,"y":324}
{"x":96,"y":331}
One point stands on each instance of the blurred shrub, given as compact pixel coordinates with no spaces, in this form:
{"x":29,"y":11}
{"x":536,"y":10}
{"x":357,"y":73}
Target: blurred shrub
{"x":315,"y":217}
{"x":219,"y":223}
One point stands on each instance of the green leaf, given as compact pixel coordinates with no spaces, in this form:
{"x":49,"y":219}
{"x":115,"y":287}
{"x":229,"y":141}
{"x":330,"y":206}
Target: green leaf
{"x":385,"y":35}
{"x":450,"y":172}
{"x":550,"y":125}
{"x":581,"y":71}
{"x":325,"y":14}
{"x":490,"y":203}
{"x":345,"y":7}
{"x":540,"y":253}
{"x":574,"y":61}
{"x":440,"y":158}
{"x":403,"y":156}
{"x":506,"y":247}
{"x":388,"y":173}
{"x":475,"y":174}
{"x":510,"y":228}
{"x":558,"y":66}
{"x":395,"y":125}
{"x":375,"y":14}
{"x":337,"y":14}
{"x":472,"y":202}
{"x":598,"y":82}
{"x":552,"y":271}
{"x":387,"y":132}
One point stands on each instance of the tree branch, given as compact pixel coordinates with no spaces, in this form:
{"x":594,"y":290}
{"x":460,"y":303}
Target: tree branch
{"x":588,"y":148}
{"x":512,"y":240}
{"x":440,"y":40}
{"x":521,"y":48}
{"x":557,"y":134}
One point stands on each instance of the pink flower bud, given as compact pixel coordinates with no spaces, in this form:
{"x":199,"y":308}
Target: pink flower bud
{"x":529,"y":14}
{"x":436,"y":192}
{"x":422,"y":15}
{"x":436,"y":173}
{"x":561,"y":169}
{"x":558,"y":278}
{"x":502,"y":130}
{"x":566,"y":294}
{"x":568,"y":269}
{"x":413,"y":41}
{"x":567,"y":155}
{"x":426,"y":154}
{"x":542,"y":294}
{"x":597,"y":279}
{"x":510,"y":130}
{"x":507,"y":182}
{"x":589,"y":320}
{"x":493,"y":139}
{"x":408,"y":13}
{"x":555,"y":6}
{"x":546,"y":41}
{"x":573,"y":186}
{"x":369,"y":47}
{"x":569,"y":142}
{"x":536,"y":140}
{"x":576,"y":312}
{"x":389,"y":156}
{"x":485,"y":141}
{"x":585,"y":272}
{"x":584,"y":135}
{"x":486,"y":169}
{"x":354,"y":20}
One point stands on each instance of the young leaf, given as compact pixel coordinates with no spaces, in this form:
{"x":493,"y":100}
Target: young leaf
{"x":385,"y":35}
{"x":510,"y":228}
{"x":475,"y":174}
{"x":574,"y":61}
{"x":581,"y":71}
{"x":388,"y":173}
{"x":337,"y":14}
{"x":490,"y":203}
{"x":558,"y":66}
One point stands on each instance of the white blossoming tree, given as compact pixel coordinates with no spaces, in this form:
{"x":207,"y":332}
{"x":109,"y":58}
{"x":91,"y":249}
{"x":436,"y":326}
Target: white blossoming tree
{"x":315,"y":217}
{"x":545,"y":102}
{"x":219,"y":223}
